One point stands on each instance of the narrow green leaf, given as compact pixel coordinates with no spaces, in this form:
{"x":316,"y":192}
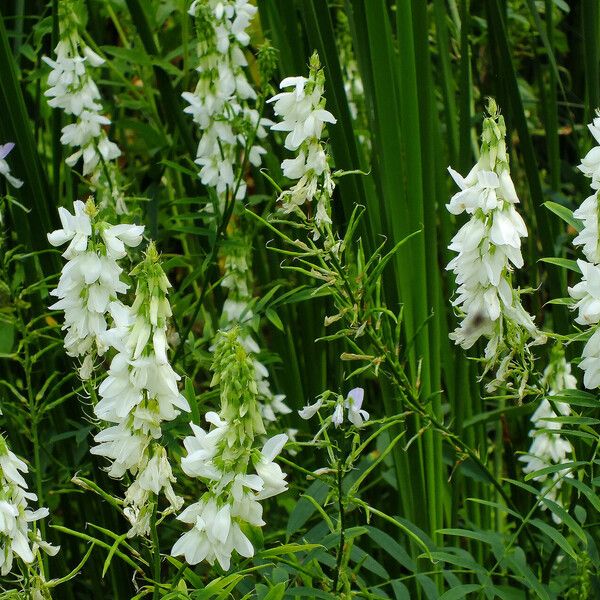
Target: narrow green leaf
{"x":557,"y":537}
{"x":564,"y":263}
{"x":565,"y":214}
{"x":460,"y":591}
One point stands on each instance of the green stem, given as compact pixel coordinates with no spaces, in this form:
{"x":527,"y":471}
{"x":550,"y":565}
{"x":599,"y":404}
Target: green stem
{"x":208,"y":275}
{"x":37,"y":462}
{"x":155,"y":552}
{"x":342,"y":525}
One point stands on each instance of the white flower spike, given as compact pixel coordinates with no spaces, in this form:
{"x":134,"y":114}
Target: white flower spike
{"x":302,"y":115}
{"x":237,"y":311}
{"x":90,"y":282}
{"x":224,"y":458}
{"x":488,"y":250}
{"x":72,"y":89}
{"x":140,"y":393}
{"x":222,"y":105}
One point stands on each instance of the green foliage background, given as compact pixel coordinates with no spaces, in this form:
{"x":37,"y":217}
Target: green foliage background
{"x":426,"y":68}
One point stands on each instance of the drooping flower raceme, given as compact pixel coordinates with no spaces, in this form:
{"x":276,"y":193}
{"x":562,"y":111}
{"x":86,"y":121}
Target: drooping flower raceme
{"x":222,"y":105}
{"x":139,"y":395}
{"x":587,"y":291}
{"x":72,"y":89}
{"x":5,"y":150}
{"x":548,"y":447}
{"x":18,"y":535}
{"x":90,"y":282}
{"x":488,"y":248}
{"x":238,"y":474}
{"x":303,"y":116}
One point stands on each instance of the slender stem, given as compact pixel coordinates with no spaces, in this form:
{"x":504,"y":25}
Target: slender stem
{"x":101,"y":543}
{"x":37,"y":462}
{"x":342,"y":524}
{"x":212,"y":264}
{"x":178,"y":575}
{"x":113,"y":17}
{"x":155,"y":552}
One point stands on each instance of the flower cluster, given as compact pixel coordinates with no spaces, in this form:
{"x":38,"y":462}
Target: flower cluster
{"x":139,"y":394}
{"x":4,"y":168}
{"x":587,"y":291}
{"x":548,"y":448}
{"x":17,"y":536}
{"x":488,"y":247}
{"x":237,"y":311}
{"x":72,"y":89}
{"x":303,"y":116}
{"x":90,"y":281}
{"x":223,"y":457}
{"x":222,"y":103}
{"x":351,"y":406}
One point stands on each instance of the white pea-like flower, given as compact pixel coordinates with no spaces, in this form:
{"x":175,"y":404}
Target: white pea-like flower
{"x":586,"y":292}
{"x":90,"y":281}
{"x":76,"y":229}
{"x":310,"y":410}
{"x":337,"y":418}
{"x":588,"y":236}
{"x":222,"y":105}
{"x":356,"y":414}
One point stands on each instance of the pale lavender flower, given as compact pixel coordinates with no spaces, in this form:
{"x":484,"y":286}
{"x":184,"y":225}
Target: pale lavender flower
{"x":5,"y":150}
{"x":356,"y":415}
